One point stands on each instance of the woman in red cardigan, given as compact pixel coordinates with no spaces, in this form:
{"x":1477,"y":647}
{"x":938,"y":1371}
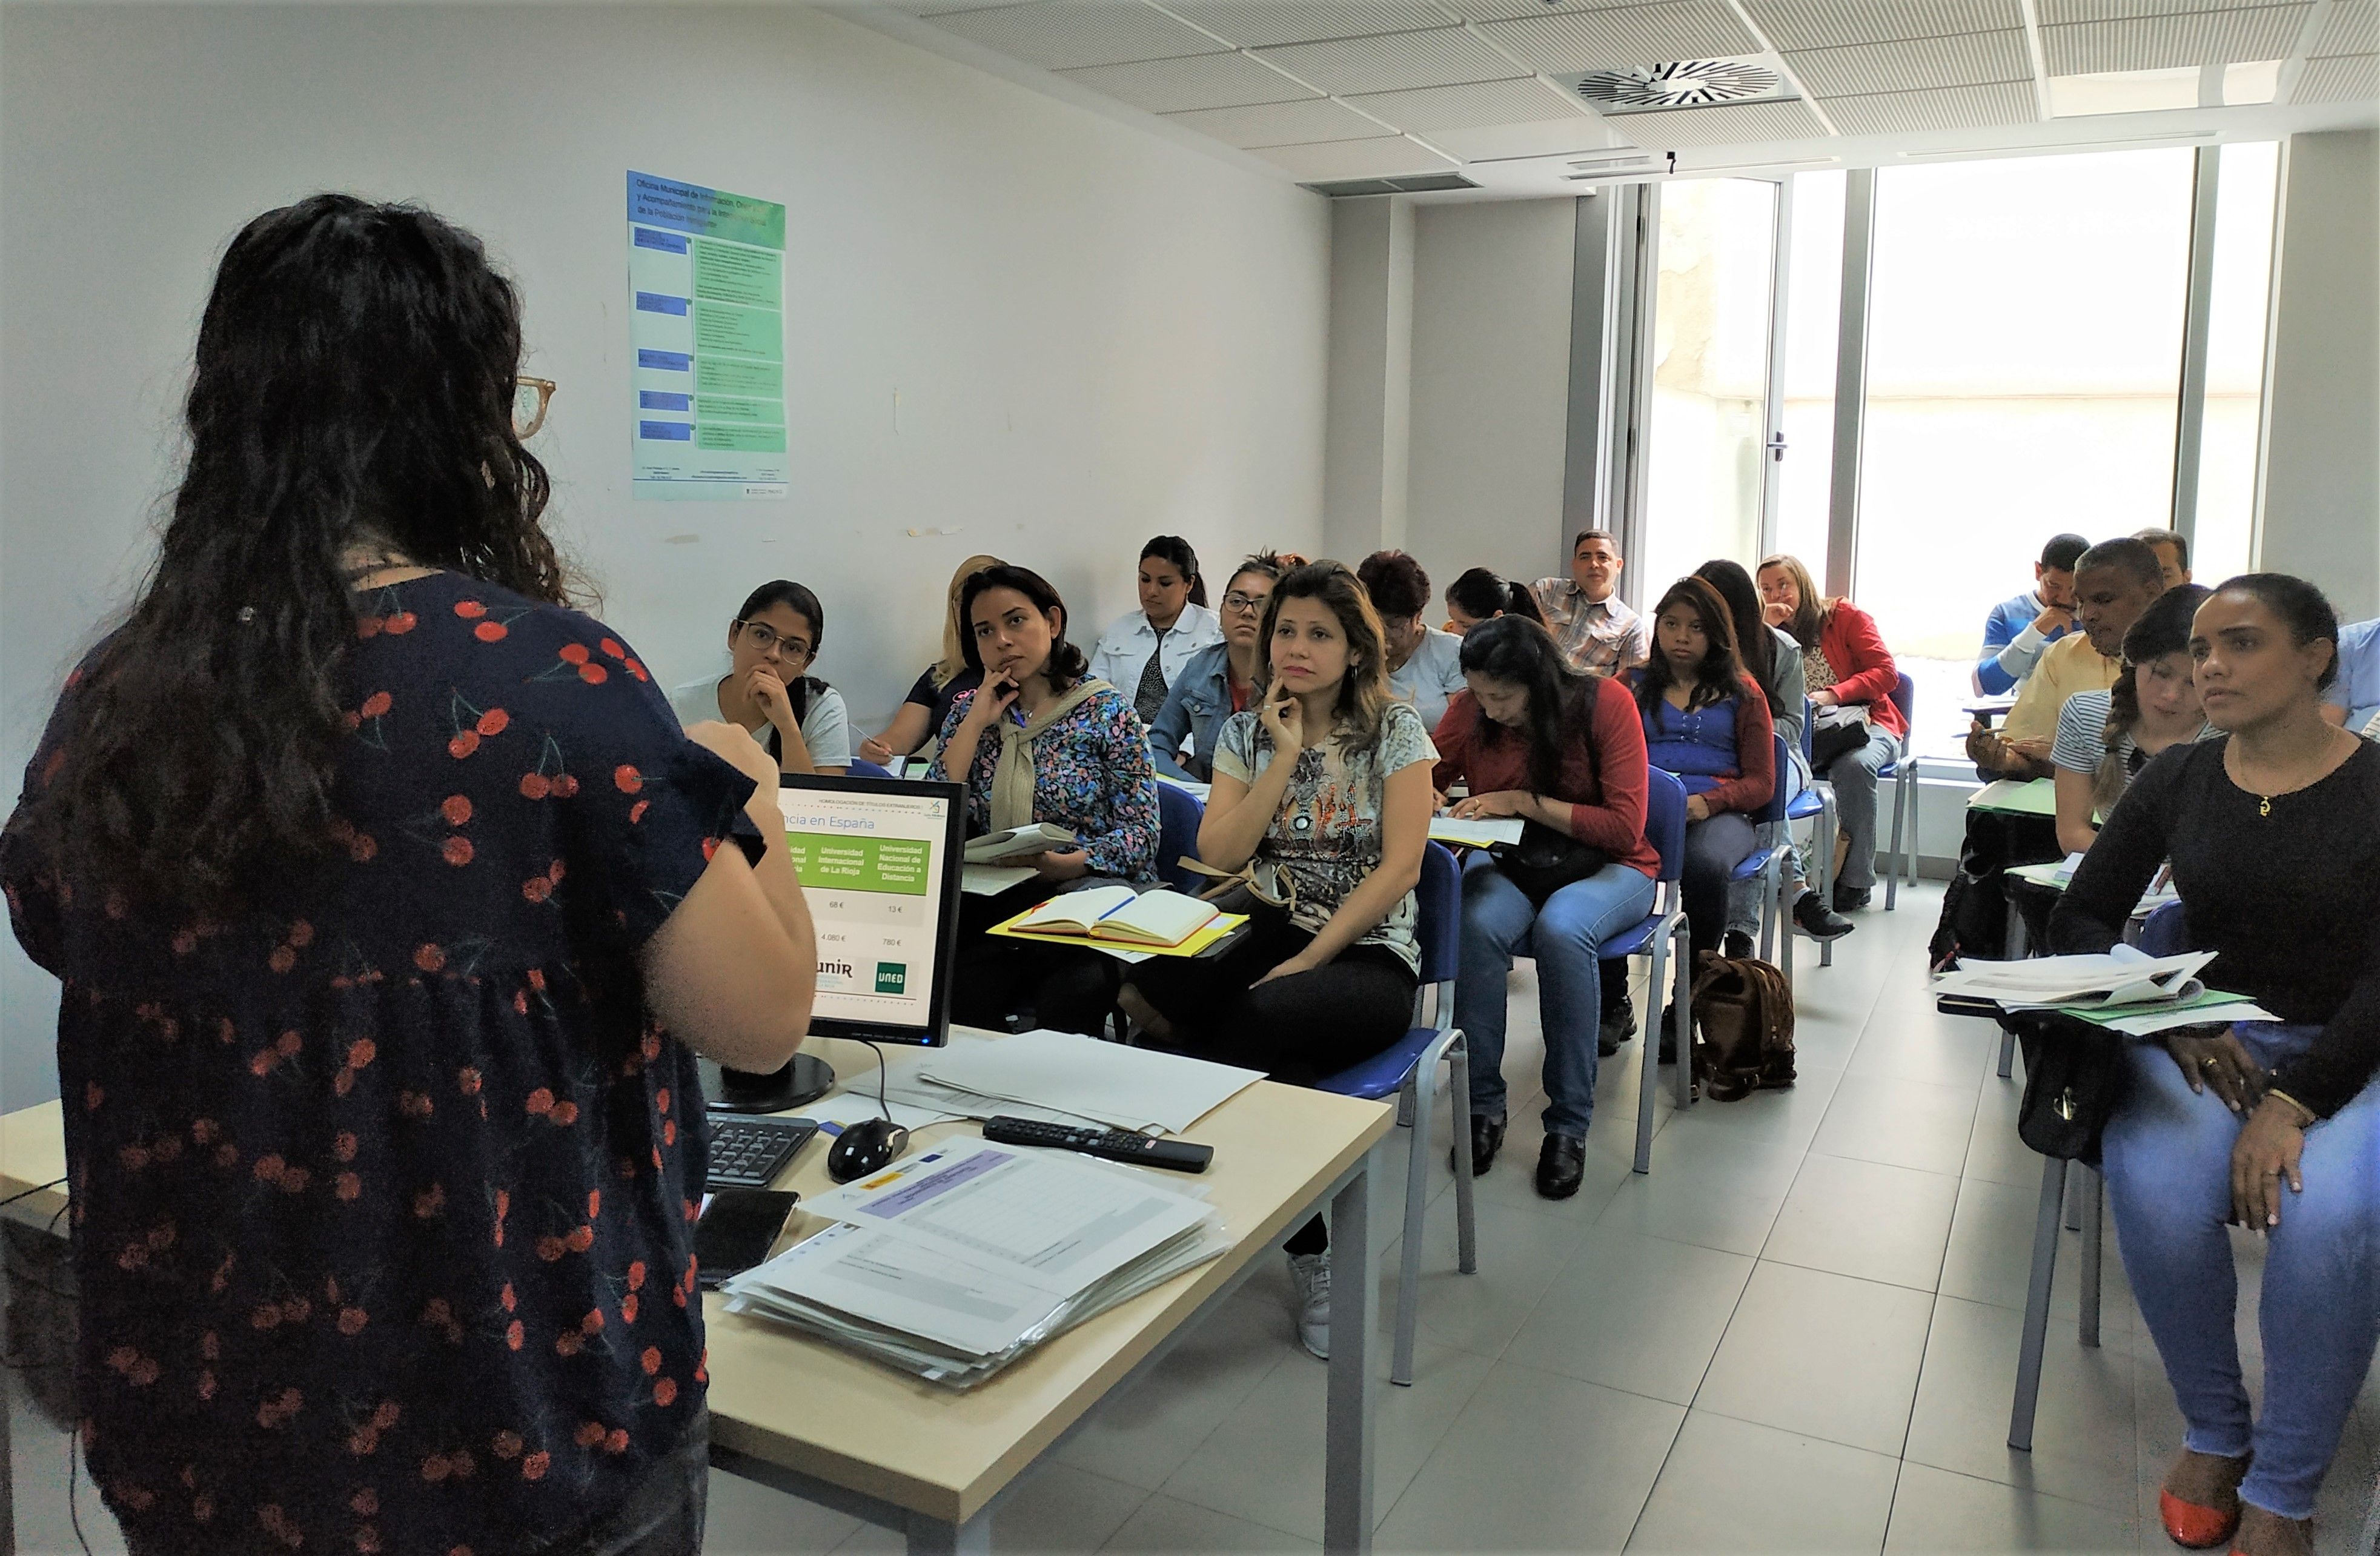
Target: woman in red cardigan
{"x":1564,"y":752}
{"x":1847,"y":665}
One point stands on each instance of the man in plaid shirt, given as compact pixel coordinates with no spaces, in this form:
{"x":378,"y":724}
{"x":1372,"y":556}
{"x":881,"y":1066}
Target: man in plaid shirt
{"x":1595,"y":629}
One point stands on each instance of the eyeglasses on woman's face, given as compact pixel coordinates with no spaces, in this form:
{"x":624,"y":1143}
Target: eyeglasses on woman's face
{"x":1244,"y":603}
{"x":530,"y":398}
{"x":766,"y":639}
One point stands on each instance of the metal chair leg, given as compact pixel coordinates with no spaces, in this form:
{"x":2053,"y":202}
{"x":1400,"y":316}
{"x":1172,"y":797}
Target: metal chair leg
{"x":2094,"y":1191}
{"x":1416,"y":1091}
{"x":1829,"y":825}
{"x":2037,"y":1304}
{"x":1651,"y":1077}
{"x":1465,"y":1233}
{"x":2008,"y":1052}
{"x":1900,"y":790}
{"x":1681,"y":1017}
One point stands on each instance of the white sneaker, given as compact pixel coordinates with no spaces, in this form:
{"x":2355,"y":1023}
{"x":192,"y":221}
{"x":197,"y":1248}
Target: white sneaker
{"x":1311,"y":1275}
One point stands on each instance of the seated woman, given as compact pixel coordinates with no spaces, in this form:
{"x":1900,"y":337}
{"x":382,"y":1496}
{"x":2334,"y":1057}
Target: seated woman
{"x":1040,"y":741}
{"x":1424,"y":667}
{"x":1480,"y":595}
{"x":1143,"y":653}
{"x":2105,"y":738}
{"x":1706,"y":722}
{"x":1322,"y":794}
{"x":2271,"y":1125}
{"x":929,"y":703}
{"x":1846,"y":665}
{"x":1539,"y":740}
{"x":1220,"y":679}
{"x":799,"y":718}
{"x":1773,"y":660}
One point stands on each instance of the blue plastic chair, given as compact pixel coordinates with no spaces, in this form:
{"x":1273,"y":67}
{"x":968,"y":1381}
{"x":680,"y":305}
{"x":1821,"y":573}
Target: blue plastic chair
{"x":1179,"y":816}
{"x":1661,"y":934}
{"x":1766,"y":865}
{"x":1904,"y":773}
{"x":1815,"y":803}
{"x":1408,"y":1071}
{"x":860,"y":768}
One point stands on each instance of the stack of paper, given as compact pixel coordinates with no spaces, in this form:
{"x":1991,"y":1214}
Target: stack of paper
{"x":1062,"y":1077}
{"x":1017,"y":842}
{"x":2161,"y":891}
{"x":953,"y":1264}
{"x":2121,"y":988}
{"x":1476,"y":832}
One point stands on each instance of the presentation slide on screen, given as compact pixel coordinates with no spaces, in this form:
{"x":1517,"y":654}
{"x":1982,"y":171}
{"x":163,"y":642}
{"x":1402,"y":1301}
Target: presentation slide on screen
{"x":869,"y":864}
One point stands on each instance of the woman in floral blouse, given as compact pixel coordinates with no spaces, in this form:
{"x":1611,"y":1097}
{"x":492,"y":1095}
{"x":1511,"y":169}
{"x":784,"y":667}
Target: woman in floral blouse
{"x":1040,"y":740}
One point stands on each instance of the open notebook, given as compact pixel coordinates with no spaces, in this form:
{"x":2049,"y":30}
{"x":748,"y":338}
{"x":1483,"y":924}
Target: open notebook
{"x":1118,"y":913}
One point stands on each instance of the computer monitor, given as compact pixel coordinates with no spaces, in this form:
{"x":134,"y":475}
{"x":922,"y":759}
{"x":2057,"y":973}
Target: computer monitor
{"x":878,"y":861}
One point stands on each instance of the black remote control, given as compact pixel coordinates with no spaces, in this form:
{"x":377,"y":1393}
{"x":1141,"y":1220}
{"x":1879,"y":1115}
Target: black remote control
{"x":1116,"y":1145}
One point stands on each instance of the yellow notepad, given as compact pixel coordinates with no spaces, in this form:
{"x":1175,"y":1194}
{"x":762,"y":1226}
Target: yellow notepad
{"x":1215,"y":928}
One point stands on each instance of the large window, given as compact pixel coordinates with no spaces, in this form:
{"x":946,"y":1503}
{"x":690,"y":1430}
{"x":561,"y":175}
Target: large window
{"x":2025,"y":332}
{"x":2240,"y":289}
{"x":1813,"y":325}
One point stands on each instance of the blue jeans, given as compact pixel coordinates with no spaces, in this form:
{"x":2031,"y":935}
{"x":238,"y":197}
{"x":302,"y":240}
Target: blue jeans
{"x":1563,"y":937}
{"x":1854,"y":778}
{"x":2168,"y":1155}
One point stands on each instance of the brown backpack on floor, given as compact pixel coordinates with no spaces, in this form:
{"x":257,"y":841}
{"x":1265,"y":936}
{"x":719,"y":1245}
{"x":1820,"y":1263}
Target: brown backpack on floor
{"x":1743,"y":1020}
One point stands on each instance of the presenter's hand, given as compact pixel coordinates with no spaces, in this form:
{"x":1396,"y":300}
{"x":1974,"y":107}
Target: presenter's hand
{"x":2265,"y":1156}
{"x":738,"y":748}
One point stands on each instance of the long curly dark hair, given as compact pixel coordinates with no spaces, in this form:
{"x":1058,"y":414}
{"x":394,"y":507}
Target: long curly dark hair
{"x":354,"y":390}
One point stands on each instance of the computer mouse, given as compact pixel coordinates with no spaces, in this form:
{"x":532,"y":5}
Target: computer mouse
{"x":864,"y":1148}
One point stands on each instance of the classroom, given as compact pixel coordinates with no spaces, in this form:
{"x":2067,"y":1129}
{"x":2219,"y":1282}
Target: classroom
{"x":1593,"y":775}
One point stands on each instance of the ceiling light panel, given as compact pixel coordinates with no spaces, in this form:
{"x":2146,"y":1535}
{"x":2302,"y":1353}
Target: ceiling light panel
{"x":1888,"y":113}
{"x":1172,"y":86}
{"x":1067,"y":34}
{"x":2352,"y":27}
{"x":1967,"y":59}
{"x":2353,"y":78}
{"x":1818,"y":24}
{"x":2156,"y":42}
{"x":1282,"y":123}
{"x":1439,"y":56}
{"x":1390,"y":158}
{"x":1675,"y":129}
{"x":1254,"y":24}
{"x":1470,"y":107}
{"x":1621,"y":38}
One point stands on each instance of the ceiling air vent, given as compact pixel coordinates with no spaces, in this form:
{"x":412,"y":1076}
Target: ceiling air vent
{"x":1681,"y":83}
{"x":1420,"y":183}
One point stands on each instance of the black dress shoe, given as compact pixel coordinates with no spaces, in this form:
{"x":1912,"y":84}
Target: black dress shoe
{"x":1819,"y":921}
{"x":1487,"y":1139}
{"x":1561,"y":1165}
{"x":1851,"y":899}
{"x":1737,"y":945}
{"x":1618,"y":1025}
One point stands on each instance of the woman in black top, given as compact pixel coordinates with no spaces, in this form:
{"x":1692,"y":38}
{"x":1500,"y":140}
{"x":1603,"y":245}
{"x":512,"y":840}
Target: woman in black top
{"x":2273,"y":831}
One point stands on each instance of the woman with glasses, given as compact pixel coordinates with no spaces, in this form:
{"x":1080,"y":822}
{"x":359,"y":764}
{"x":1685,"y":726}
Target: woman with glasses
{"x":1220,"y":679}
{"x":395,"y":905}
{"x":799,"y":718}
{"x":1425,"y":664}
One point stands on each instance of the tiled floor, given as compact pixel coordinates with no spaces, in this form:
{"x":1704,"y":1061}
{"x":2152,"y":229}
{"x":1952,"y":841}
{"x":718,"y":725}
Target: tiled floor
{"x":1799,"y":1334}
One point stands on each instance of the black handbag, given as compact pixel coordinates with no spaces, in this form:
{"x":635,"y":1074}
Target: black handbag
{"x":1545,"y":861}
{"x":2075,"y":1074}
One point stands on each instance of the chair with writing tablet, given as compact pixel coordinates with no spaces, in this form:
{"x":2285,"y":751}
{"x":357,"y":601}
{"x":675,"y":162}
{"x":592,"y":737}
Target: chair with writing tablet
{"x":1407,"y":1070}
{"x":1661,"y":934}
{"x":1815,"y":802}
{"x":860,"y":768}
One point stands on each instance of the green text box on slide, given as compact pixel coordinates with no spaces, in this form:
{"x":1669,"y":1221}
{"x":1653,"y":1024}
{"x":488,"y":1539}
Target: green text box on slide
{"x":892,"y":865}
{"x":730,"y":437}
{"x":730,"y":273}
{"x":725,"y":408}
{"x":722,"y":375}
{"x":740,"y":332}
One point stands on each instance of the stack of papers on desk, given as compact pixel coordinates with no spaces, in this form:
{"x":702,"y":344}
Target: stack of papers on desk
{"x":953,"y":1264}
{"x":1062,"y":1077}
{"x":2121,"y":988}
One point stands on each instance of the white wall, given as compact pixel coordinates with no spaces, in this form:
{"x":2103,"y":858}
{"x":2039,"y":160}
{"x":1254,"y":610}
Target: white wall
{"x":1095,"y":334}
{"x":1490,"y":386}
{"x":2321,"y":513}
{"x":1371,"y":375}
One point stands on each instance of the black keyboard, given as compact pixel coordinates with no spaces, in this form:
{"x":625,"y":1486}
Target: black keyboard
{"x":750,"y":1153}
{"x":1116,"y":1145}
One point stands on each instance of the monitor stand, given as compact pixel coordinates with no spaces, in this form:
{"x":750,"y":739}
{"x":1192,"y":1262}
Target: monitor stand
{"x":804,"y":1079}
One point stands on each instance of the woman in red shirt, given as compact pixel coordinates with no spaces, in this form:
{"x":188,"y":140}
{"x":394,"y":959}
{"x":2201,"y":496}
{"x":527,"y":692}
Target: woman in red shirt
{"x":1847,"y":665}
{"x":1564,"y":752}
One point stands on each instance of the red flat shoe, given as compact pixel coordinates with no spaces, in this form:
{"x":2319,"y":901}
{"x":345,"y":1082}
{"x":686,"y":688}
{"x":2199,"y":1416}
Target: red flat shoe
{"x":2195,"y":1528}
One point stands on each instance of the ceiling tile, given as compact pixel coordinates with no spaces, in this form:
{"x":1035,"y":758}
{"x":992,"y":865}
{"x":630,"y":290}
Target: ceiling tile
{"x":1439,"y":56}
{"x":1965,"y":59}
{"x":1888,"y":113}
{"x":2353,"y":78}
{"x":944,"y":7}
{"x":1506,"y":10}
{"x":1211,"y":81}
{"x":1282,"y":124}
{"x":2352,"y":27}
{"x":1256,"y":23}
{"x":1464,"y":107}
{"x":2164,"y":42}
{"x":1676,"y":128}
{"x":1357,"y":159}
{"x":1065,"y":35}
{"x":1615,"y":40}
{"x":1545,"y":138}
{"x":1817,"y":24}
{"x":2056,"y":13}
